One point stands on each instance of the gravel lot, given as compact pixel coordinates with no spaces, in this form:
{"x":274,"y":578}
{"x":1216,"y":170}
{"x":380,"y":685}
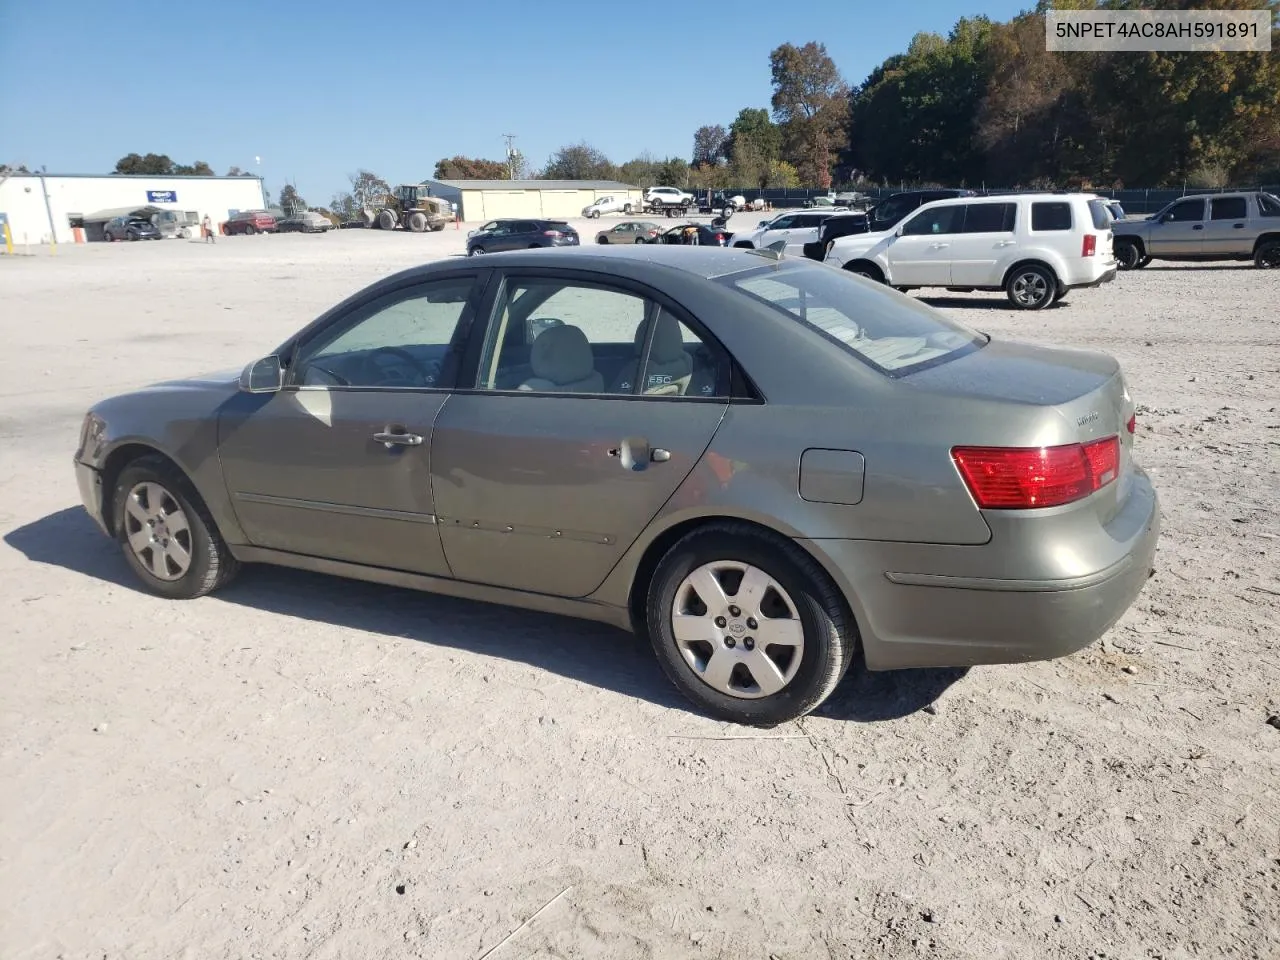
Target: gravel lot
{"x":309,"y":767}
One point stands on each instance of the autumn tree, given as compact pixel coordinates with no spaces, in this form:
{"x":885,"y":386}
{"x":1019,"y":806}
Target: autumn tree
{"x":468,"y":168}
{"x":710,"y":145}
{"x":579,"y":161}
{"x":368,"y":190}
{"x":810,"y":101}
{"x":290,"y":201}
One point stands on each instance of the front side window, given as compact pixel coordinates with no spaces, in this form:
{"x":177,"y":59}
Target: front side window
{"x":939,"y":220}
{"x":1050,"y":215}
{"x":889,"y":334}
{"x":1185,"y":211}
{"x":782,"y":223}
{"x":409,"y":339}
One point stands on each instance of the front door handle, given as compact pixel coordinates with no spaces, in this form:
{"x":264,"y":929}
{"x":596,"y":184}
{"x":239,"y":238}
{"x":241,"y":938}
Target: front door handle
{"x":1239,"y":226}
{"x":1006,"y":243}
{"x":390,"y":440}
{"x":938,"y":246}
{"x":1198,"y":226}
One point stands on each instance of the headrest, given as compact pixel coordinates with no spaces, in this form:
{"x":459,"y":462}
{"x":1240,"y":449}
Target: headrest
{"x":562,"y":355}
{"x":668,"y":340}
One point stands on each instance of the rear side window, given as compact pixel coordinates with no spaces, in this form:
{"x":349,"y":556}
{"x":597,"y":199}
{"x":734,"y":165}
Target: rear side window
{"x":1100,"y":213}
{"x":1228,"y":208}
{"x":1269,"y":205}
{"x":1051,"y":215}
{"x":989,"y":218}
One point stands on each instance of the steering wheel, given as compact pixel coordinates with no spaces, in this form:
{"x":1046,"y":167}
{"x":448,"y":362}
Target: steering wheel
{"x":383,"y":374}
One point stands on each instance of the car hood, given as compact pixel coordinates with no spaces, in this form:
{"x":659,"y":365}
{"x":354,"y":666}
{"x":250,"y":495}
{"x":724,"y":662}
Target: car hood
{"x":1129,"y":228}
{"x":218,"y":379}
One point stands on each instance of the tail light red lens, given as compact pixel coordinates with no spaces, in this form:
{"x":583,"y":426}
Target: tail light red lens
{"x":1090,"y":246}
{"x":1132,"y":424}
{"x":1020,"y":478}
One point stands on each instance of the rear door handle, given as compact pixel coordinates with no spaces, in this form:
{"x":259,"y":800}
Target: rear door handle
{"x":390,"y":440}
{"x":938,"y":246}
{"x":636,"y":454}
{"x":1197,"y":226}
{"x":1239,"y":226}
{"x":1006,"y":243}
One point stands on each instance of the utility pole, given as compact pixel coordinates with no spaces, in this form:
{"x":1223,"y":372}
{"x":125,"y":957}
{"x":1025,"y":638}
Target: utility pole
{"x":511,"y":155}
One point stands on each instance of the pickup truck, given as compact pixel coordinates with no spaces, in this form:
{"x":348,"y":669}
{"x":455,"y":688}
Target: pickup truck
{"x":1219,"y":226}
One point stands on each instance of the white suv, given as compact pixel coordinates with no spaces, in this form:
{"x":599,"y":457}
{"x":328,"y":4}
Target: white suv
{"x":1035,"y":247}
{"x":658,"y":197}
{"x":795,"y":228}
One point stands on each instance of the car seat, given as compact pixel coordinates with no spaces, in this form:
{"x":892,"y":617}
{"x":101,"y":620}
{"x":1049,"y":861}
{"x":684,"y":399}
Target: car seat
{"x":562,"y":362}
{"x":670,"y":366}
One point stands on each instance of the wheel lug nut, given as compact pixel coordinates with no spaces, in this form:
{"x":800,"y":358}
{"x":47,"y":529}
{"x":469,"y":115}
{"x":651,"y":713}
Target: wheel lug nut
{"x":751,"y":623}
{"x":721,"y":621}
{"x":729,"y":641}
{"x":749,"y":643}
{"x":734,"y":611}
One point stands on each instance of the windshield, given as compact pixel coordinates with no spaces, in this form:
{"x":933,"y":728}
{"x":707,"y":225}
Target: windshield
{"x":895,"y":335}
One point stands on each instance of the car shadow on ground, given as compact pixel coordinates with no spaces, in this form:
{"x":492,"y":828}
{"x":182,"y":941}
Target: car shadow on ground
{"x":993,"y":302}
{"x":577,"y":649}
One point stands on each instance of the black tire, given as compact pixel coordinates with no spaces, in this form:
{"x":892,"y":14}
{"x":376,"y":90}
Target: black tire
{"x":640,"y":240}
{"x":830,"y":636}
{"x":1041,"y":284}
{"x":1128,"y":254}
{"x":594,"y":215}
{"x":475,"y":252}
{"x":417,"y":222}
{"x":627,"y":209}
{"x":250,"y":229}
{"x":212,"y":565}
{"x":866,"y":270}
{"x":602,"y":239}
{"x":1143,"y":262}
{"x":131,"y":236}
{"x":1267,"y":256}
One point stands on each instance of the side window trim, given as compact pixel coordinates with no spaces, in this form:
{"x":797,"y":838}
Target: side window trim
{"x":364,"y":309}
{"x":739,"y":387}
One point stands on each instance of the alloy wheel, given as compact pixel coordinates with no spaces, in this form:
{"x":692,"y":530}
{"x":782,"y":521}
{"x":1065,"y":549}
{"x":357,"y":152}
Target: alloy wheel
{"x":1030,"y":288}
{"x":157,"y":531}
{"x":737,"y":629}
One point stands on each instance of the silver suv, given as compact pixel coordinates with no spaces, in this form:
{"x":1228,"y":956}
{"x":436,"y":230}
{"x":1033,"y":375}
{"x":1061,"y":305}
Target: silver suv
{"x":1220,"y":226}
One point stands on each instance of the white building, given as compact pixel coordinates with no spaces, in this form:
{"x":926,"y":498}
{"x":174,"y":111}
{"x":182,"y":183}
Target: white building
{"x":37,"y":204}
{"x":479,"y":200}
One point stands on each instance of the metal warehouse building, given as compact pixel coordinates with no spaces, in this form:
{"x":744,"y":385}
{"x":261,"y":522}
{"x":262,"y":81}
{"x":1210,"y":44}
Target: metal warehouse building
{"x":490,"y":199}
{"x":37,"y":205}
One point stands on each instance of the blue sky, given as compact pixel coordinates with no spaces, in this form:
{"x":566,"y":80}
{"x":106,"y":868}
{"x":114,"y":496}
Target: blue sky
{"x":320,"y":88}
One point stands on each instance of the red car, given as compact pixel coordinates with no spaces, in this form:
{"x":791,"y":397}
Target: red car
{"x":250,"y":222}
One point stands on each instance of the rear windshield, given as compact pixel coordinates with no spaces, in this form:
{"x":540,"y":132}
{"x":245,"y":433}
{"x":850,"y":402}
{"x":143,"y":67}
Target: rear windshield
{"x":894,"y":335}
{"x":1101,"y":215}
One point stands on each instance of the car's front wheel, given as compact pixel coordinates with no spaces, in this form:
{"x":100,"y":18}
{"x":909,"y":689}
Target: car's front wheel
{"x":475,"y":251}
{"x":1031,"y":287}
{"x":747,"y":626}
{"x":1127,"y":254}
{"x":169,"y":537}
{"x":627,"y":208}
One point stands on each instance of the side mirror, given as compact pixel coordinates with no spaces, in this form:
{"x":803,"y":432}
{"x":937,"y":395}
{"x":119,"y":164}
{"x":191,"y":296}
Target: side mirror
{"x":263,"y":376}
{"x":1166,"y":218}
{"x":899,"y":231}
{"x":536,"y":325}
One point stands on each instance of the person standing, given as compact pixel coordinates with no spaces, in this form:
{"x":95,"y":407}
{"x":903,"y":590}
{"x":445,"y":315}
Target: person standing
{"x":206,"y":228}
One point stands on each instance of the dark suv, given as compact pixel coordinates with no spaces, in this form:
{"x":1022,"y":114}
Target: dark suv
{"x":499,"y":235}
{"x":885,"y":215}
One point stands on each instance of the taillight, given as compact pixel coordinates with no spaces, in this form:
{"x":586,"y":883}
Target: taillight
{"x":1132,"y":423}
{"x":1090,"y":245}
{"x":551,"y":233}
{"x":719,"y":238}
{"x":1018,"y":478}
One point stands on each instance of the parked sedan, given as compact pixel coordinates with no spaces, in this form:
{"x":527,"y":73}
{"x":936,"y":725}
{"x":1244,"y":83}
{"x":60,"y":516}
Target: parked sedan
{"x":499,"y":235}
{"x":308,"y":221}
{"x":763,"y":464}
{"x":630,"y":231}
{"x":130,"y":228}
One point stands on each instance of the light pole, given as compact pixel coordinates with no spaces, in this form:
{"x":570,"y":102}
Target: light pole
{"x":512,"y":153}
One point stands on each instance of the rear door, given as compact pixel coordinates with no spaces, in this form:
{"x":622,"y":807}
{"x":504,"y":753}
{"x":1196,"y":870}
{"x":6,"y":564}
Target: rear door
{"x":1226,"y":232}
{"x":984,"y":240}
{"x":1179,"y":232}
{"x":921,"y":257}
{"x":551,"y":461}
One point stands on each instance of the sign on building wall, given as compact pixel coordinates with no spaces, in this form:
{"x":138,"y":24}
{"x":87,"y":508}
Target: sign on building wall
{"x":162,"y":196}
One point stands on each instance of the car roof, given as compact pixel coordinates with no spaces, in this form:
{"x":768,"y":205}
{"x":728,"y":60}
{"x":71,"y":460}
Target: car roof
{"x":705,"y":262}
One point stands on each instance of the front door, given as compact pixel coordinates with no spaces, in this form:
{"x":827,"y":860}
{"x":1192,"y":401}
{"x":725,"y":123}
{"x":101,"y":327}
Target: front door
{"x":1179,"y":232}
{"x":985,"y":238}
{"x":593,"y":399}
{"x":1226,"y":233}
{"x":921,"y":257}
{"x":338,"y":463}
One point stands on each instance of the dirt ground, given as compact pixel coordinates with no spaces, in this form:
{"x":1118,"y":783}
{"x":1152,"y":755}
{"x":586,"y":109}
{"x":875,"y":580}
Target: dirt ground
{"x":309,"y":767}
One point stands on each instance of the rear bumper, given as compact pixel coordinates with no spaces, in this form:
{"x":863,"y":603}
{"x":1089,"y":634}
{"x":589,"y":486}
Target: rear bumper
{"x":1107,"y":276}
{"x":948,"y":617}
{"x":89,"y":481}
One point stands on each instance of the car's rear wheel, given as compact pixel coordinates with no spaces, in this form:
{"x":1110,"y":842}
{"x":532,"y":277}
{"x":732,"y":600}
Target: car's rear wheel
{"x":1143,"y":262}
{"x":747,"y":626}
{"x":1128,"y":254}
{"x":131,"y":236}
{"x":250,"y":229}
{"x":639,"y":239}
{"x":1031,"y":287}
{"x":169,"y":538}
{"x":1267,"y":255}
{"x":626,"y":208}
